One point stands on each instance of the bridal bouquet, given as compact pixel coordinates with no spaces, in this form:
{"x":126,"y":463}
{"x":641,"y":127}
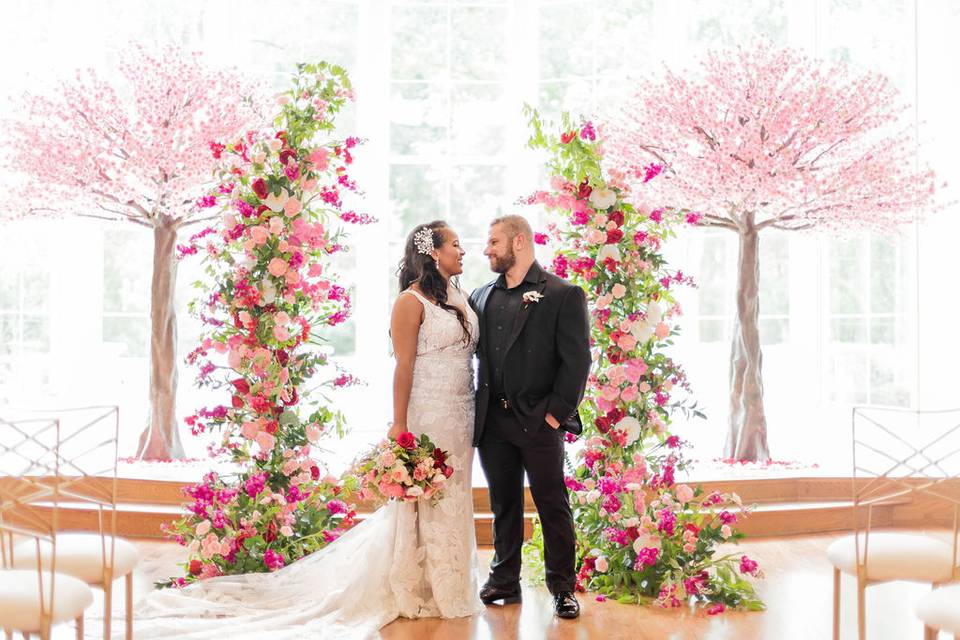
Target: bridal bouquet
{"x":408,"y":468}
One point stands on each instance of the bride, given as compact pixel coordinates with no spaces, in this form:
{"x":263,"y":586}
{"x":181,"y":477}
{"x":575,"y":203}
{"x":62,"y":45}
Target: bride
{"x":407,"y":559}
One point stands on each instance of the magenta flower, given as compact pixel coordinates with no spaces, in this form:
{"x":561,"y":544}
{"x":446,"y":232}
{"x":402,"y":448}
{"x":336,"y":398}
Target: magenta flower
{"x":726,"y":517}
{"x":273,"y":560}
{"x":540,"y":238}
{"x":255,"y":484}
{"x":716,"y":608}
{"x":748,"y":566}
{"x":650,"y":172}
{"x":647,"y":557}
{"x":336,"y":506}
{"x":667,"y":522}
{"x":608,"y":486}
{"x":617,"y":536}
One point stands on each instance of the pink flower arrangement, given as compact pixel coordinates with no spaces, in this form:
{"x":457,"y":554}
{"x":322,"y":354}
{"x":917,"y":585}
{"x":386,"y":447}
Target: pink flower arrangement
{"x":271,"y":285}
{"x":642,"y":538}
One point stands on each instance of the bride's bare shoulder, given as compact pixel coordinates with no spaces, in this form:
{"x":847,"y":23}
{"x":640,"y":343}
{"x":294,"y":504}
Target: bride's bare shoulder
{"x":408,"y":305}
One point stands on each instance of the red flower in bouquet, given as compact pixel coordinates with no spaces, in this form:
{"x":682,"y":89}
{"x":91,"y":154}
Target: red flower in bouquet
{"x":407,"y":440}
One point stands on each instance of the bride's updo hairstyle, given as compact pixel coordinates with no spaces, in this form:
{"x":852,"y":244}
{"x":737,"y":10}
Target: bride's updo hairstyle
{"x":418,"y":266}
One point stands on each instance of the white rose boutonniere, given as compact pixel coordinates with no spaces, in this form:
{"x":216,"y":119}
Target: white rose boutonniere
{"x":532,"y":297}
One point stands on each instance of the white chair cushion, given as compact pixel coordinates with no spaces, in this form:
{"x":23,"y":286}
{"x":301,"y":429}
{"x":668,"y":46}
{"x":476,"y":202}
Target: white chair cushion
{"x":940,"y":609}
{"x":80,"y":555}
{"x":895,"y":556}
{"x":20,"y":599}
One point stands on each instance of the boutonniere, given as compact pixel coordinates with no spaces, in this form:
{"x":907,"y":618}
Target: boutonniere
{"x":532,"y":297}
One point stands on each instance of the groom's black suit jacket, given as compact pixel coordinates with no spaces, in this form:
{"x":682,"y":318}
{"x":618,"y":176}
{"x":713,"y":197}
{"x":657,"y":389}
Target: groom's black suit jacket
{"x":547,"y":359}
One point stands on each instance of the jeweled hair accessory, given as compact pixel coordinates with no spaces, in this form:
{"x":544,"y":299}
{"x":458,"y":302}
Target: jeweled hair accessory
{"x":423,"y":241}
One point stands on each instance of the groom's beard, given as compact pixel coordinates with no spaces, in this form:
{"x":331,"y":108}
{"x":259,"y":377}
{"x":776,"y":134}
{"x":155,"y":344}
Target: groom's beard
{"x":502,"y":264}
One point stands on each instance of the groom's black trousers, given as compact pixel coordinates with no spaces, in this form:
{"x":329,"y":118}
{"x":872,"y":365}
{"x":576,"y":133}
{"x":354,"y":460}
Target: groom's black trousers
{"x":506,"y":451}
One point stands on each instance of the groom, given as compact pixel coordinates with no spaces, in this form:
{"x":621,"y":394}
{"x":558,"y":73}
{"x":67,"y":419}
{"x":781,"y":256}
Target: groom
{"x":534,"y":354}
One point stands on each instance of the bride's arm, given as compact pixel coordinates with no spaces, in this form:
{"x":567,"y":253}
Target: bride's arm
{"x":404,"y":330}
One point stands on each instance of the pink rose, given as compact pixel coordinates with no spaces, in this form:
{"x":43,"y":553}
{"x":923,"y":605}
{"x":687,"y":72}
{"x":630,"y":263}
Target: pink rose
{"x":618,"y":291}
{"x":319,"y":158}
{"x":277,"y":267}
{"x":250,"y":430}
{"x":391,"y":490}
{"x":276,"y":225}
{"x":265,"y":440}
{"x":203,"y":528}
{"x":662,"y":330}
{"x":259,"y":234}
{"x":292,"y":207}
{"x":635,"y":369}
{"x":684,"y":493}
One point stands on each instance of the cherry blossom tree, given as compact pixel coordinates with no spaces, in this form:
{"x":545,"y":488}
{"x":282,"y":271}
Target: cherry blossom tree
{"x":766,"y":138}
{"x":138,"y":149}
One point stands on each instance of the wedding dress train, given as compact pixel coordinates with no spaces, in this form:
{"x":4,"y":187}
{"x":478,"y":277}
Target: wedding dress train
{"x":407,"y":559}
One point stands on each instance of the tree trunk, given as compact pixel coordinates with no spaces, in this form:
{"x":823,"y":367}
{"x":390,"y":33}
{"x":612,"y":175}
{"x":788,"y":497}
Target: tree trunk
{"x":161,"y":439}
{"x":747,"y":434}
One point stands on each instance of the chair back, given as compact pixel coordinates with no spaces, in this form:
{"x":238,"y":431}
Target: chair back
{"x":86,"y":459}
{"x":902,"y":453}
{"x":29,"y":465}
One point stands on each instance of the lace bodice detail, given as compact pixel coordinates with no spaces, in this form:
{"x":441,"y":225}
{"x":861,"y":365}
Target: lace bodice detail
{"x":441,"y":332}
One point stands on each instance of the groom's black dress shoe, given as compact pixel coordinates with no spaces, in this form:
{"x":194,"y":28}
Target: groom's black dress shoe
{"x":566,"y":605}
{"x":490,"y":594}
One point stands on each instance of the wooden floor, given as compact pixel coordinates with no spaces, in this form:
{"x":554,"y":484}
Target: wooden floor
{"x":797,"y":589}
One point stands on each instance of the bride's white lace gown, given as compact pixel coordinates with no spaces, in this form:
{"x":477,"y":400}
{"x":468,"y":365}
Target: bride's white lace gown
{"x":410,"y":560}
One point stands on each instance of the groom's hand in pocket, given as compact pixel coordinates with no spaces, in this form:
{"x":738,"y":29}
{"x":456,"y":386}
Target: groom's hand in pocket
{"x":552,"y":421}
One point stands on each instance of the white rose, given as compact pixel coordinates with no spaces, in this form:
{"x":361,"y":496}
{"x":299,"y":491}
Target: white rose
{"x":603,"y":198}
{"x":641,"y":331}
{"x":654,"y":313}
{"x":608,"y":251}
{"x":632,"y":428}
{"x":631,"y":522}
{"x":245,"y":261}
{"x":276,"y":202}
{"x":593,"y":496}
{"x":414,"y":491}
{"x":632,"y":487}
{"x":268,"y":293}
{"x":590,"y":484}
{"x":601,"y":564}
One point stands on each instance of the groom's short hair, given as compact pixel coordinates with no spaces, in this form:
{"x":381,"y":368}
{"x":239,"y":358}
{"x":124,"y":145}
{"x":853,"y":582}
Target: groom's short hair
{"x":514,"y":226}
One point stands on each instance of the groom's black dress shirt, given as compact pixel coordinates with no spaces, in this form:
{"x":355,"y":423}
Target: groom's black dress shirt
{"x":502,"y":308}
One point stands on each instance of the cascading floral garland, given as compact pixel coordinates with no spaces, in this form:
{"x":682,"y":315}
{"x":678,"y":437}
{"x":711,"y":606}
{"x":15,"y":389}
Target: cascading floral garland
{"x":641,"y":537}
{"x":268,"y":288}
